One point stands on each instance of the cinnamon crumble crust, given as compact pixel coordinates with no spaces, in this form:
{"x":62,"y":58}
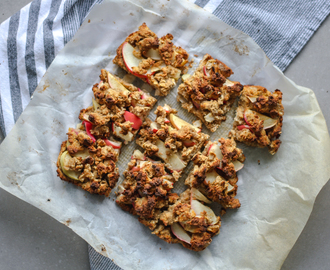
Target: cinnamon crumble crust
{"x":171,"y":139}
{"x":208,"y":93}
{"x":154,"y":60}
{"x":259,"y":118}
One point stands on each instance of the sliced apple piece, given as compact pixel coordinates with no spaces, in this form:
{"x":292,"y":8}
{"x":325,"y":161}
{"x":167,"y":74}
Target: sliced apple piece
{"x":96,"y":105}
{"x":114,"y":144}
{"x":83,"y":154}
{"x":240,"y":127}
{"x":129,"y":59}
{"x":252,"y":99}
{"x":169,"y":157}
{"x":188,"y":143}
{"x":178,"y":123}
{"x":197,"y":124}
{"x":141,"y":163}
{"x":117,"y":132}
{"x":153,"y":54}
{"x":199,"y":208}
{"x":238,"y":165}
{"x":211,"y":176}
{"x":180,"y":233}
{"x":228,"y":83}
{"x":209,"y":118}
{"x":131,"y":117}
{"x":185,"y":76}
{"x":162,"y":150}
{"x":88,"y":127}
{"x":230,"y":187}
{"x":65,"y":158}
{"x":154,"y":127}
{"x":197,"y":195}
{"x":206,"y":73}
{"x":268,"y":122}
{"x":176,"y":163}
{"x":115,"y":84}
{"x":137,"y":154}
{"x":215,"y":150}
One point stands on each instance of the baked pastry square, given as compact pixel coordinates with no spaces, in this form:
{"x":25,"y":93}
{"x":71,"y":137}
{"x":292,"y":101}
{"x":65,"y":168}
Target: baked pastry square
{"x":171,"y":139}
{"x":259,"y":118}
{"x":146,"y":192}
{"x":119,"y":108}
{"x":208,"y":93}
{"x":214,"y":175}
{"x":88,"y":164}
{"x":154,"y":60}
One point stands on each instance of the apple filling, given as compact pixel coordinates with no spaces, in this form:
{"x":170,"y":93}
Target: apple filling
{"x":259,"y":117}
{"x":156,"y":61}
{"x":171,"y":139}
{"x":208,"y":93}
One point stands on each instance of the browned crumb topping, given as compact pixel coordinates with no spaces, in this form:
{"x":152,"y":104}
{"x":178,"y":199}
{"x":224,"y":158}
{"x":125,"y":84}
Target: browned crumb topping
{"x":161,"y":68}
{"x":93,"y":168}
{"x":113,"y":99}
{"x":208,"y":93}
{"x":146,"y":190}
{"x":214,"y":173}
{"x":259,"y":118}
{"x":169,"y":141}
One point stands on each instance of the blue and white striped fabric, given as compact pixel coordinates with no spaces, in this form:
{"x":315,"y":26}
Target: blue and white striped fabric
{"x":30,"y":40}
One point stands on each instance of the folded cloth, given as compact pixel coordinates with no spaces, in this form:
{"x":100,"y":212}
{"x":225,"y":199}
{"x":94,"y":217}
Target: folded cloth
{"x":32,"y":37}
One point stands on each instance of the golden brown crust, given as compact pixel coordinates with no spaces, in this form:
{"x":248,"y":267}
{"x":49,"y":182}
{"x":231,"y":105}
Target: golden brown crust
{"x":208,"y":93}
{"x":146,"y":192}
{"x":184,"y":142}
{"x":249,"y":128}
{"x":161,"y":73}
{"x":216,"y":178}
{"x":98,"y":173}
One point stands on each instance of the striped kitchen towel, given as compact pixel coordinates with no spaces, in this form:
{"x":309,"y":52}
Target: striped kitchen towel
{"x":30,"y":40}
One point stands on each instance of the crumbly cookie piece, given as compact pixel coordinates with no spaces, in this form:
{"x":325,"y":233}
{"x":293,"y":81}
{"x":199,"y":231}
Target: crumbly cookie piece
{"x":259,"y":118}
{"x":146,"y":192}
{"x":146,"y":189}
{"x":214,"y":175}
{"x":208,"y":93}
{"x":188,"y":222}
{"x":88,"y":164}
{"x":119,"y":108}
{"x":171,"y":139}
{"x":154,"y":60}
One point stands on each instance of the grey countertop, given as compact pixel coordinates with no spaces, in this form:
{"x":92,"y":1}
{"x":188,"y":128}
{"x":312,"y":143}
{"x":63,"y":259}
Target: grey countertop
{"x":30,"y":239}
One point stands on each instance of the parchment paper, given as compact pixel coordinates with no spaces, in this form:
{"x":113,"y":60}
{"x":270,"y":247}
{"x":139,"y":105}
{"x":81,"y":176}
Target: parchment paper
{"x":277,"y":193}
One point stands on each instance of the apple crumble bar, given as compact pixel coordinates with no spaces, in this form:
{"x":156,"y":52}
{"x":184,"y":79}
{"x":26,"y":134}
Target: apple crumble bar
{"x":156,"y":61}
{"x":214,"y":175}
{"x":146,"y":192}
{"x":88,"y":164}
{"x":259,"y":117}
{"x":208,"y":93}
{"x":119,"y":108}
{"x":171,"y":139}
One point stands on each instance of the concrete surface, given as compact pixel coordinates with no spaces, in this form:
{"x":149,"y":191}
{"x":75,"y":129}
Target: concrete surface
{"x":30,"y":239}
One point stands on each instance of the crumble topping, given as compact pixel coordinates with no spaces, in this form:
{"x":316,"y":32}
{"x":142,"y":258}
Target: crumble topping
{"x":156,"y":61}
{"x":208,"y":93}
{"x":214,"y":173}
{"x":259,"y":118}
{"x":171,"y":139}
